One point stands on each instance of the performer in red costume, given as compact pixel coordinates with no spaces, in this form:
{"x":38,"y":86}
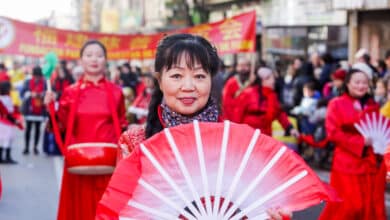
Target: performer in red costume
{"x":141,"y":103}
{"x":8,"y":121}
{"x":259,"y":106}
{"x":358,"y":175}
{"x":185,"y":65}
{"x":93,"y":99}
{"x":234,"y":88}
{"x":33,"y":108}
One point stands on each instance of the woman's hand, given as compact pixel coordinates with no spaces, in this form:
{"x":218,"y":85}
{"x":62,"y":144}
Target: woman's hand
{"x":388,"y":177}
{"x":50,"y":97}
{"x":367,"y":141}
{"x":279,"y":214}
{"x":294,"y":132}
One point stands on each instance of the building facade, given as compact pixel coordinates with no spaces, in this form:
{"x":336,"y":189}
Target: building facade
{"x":299,"y":28}
{"x":368,"y":24}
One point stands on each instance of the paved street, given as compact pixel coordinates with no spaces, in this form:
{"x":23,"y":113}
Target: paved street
{"x":31,"y":188}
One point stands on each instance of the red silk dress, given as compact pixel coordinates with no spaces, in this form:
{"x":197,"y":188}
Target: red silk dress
{"x":357,"y":176}
{"x":93,"y":123}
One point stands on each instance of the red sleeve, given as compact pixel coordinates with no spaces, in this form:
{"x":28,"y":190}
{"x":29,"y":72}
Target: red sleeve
{"x":350,"y":142}
{"x":3,"y":110}
{"x":122,"y":112}
{"x":140,"y":88}
{"x":282,"y":117}
{"x":326,"y":91}
{"x":120,"y":188}
{"x":241,"y":109}
{"x":137,"y":100}
{"x":272,"y":106}
{"x":228,"y":99}
{"x":131,"y":138}
{"x":64,"y":107}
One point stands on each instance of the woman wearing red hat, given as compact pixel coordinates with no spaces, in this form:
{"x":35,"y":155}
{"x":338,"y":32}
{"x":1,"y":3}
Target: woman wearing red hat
{"x":358,"y":174}
{"x":332,"y":89}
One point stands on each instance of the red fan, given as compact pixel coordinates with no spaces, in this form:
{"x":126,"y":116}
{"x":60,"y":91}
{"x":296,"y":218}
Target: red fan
{"x":220,"y":171}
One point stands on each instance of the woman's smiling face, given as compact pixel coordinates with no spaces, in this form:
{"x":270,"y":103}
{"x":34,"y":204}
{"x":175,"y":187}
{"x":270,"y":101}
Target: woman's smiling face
{"x":358,"y":85}
{"x":185,"y":90}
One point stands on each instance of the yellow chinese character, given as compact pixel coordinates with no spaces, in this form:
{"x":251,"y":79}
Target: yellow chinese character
{"x":137,"y":43}
{"x":224,"y":46}
{"x":45,"y":36}
{"x":231,"y":29}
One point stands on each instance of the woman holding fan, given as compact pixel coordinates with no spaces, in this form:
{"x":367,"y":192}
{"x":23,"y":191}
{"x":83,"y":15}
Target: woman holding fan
{"x":91,"y":113}
{"x":358,"y":174}
{"x":184,"y":65}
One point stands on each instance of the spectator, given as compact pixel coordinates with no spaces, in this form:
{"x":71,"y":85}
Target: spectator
{"x":141,"y":103}
{"x":234,"y":87}
{"x":382,"y":69}
{"x":33,"y":108}
{"x":62,"y":80}
{"x":333,"y":89}
{"x":268,"y":82}
{"x":305,"y":75}
{"x":361,"y":63}
{"x":306,"y":108}
{"x":315,"y":60}
{"x":327,"y":68}
{"x":380,"y":92}
{"x":77,"y":73}
{"x":287,"y":85}
{"x":387,"y":61}
{"x":218,"y":83}
{"x":128,"y":78}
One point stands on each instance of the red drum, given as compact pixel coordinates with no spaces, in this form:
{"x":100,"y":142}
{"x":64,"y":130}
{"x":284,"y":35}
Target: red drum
{"x":91,"y":158}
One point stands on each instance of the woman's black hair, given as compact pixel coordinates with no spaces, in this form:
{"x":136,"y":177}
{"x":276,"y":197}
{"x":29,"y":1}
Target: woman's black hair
{"x":37,"y":71}
{"x":91,"y":42}
{"x":347,"y":79}
{"x":68,"y":75}
{"x":327,"y":58}
{"x":169,"y":51}
{"x":127,"y":65}
{"x":150,"y":76}
{"x":5,"y":87}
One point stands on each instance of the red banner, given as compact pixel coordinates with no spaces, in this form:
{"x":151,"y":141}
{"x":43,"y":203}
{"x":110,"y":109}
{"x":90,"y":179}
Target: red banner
{"x":232,"y":35}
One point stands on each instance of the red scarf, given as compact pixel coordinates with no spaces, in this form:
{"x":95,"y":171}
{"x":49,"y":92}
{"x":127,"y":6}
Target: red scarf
{"x":37,"y":86}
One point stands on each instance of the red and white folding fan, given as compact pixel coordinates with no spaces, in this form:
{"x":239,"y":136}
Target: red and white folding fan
{"x":219,"y":171}
{"x":377,"y":127}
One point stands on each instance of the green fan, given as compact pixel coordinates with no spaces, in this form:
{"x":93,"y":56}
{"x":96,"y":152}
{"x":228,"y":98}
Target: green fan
{"x":51,"y":61}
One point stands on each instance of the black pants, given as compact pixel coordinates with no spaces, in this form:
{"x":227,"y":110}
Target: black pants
{"x":27,"y":135}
